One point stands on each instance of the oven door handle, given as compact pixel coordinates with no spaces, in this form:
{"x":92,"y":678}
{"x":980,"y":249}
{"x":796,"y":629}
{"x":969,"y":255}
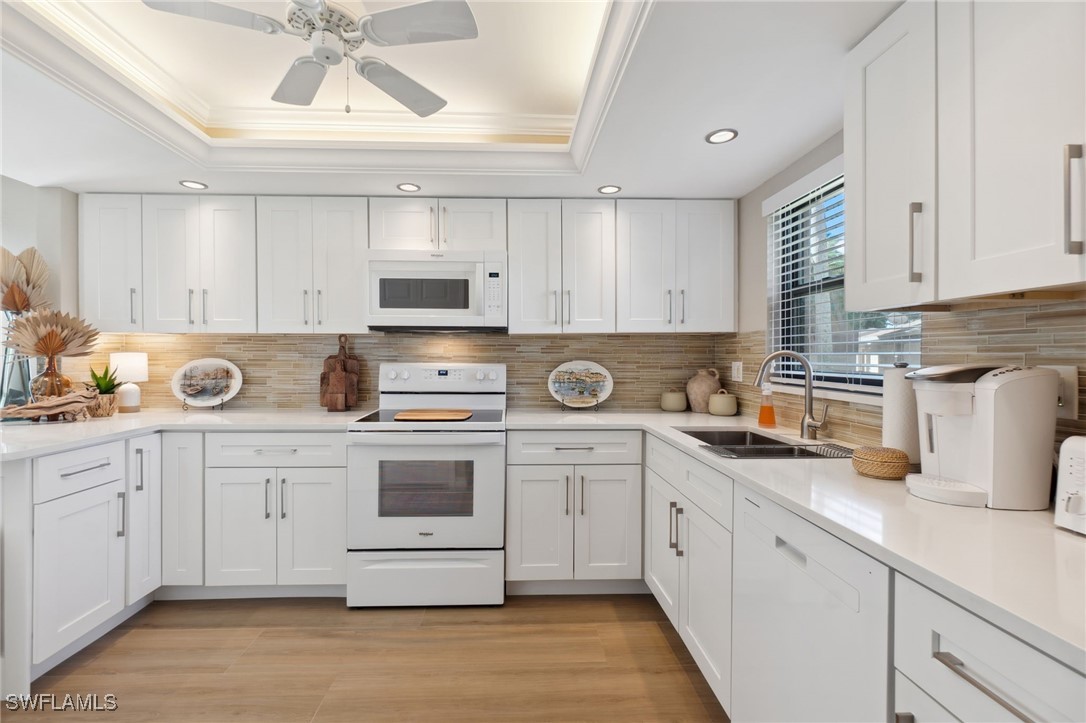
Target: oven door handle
{"x":414,"y":439}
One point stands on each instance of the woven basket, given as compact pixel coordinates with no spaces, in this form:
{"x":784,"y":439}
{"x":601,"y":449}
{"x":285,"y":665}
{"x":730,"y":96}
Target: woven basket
{"x":881,"y":462}
{"x":104,"y":405}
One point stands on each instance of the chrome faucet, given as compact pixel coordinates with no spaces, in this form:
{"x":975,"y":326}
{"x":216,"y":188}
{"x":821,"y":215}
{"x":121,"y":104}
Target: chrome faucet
{"x":808,"y":427}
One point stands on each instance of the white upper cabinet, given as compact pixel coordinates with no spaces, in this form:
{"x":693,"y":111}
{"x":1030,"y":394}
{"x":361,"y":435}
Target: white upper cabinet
{"x":171,"y":263}
{"x":110,"y":279}
{"x":228,"y":264}
{"x":890,"y":158}
{"x":450,"y":224}
{"x":311,"y":264}
{"x":676,"y":266}
{"x":588,"y":263}
{"x":535,"y":266}
{"x":1012,"y":124}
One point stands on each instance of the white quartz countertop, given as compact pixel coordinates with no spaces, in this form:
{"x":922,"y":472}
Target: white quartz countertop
{"x":1015,"y":569}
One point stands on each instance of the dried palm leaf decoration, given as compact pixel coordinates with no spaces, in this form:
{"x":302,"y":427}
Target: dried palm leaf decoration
{"x":22,"y":281}
{"x":51,"y":333}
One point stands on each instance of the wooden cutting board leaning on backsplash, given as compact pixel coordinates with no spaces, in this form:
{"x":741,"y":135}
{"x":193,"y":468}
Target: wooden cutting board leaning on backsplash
{"x":339,"y":380}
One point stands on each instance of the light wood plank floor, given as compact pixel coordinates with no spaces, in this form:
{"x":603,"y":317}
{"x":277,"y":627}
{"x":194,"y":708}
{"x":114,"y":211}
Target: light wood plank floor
{"x":589,"y":658}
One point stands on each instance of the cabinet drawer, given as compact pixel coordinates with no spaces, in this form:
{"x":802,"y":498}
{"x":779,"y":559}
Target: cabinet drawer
{"x":276,"y":449}
{"x":956,"y":656}
{"x":56,"y":475}
{"x":707,"y":488}
{"x":663,"y":459}
{"x":574,"y":447}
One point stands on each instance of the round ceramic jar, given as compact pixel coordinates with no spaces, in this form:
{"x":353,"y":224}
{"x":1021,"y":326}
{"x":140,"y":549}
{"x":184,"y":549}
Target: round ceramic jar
{"x":723,"y":404}
{"x":673,"y":400}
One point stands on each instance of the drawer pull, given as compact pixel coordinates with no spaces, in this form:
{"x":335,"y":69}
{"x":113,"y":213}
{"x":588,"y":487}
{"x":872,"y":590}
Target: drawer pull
{"x":574,"y":449}
{"x":103,"y":465}
{"x":957,"y":667}
{"x":904,"y":718}
{"x":273,"y":452}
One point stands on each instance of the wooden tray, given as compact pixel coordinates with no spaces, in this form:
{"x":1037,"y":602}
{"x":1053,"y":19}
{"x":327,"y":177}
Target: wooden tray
{"x":433,"y":415}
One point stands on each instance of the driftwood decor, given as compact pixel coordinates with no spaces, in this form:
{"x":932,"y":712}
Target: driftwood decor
{"x":68,"y":408}
{"x":339,"y":380}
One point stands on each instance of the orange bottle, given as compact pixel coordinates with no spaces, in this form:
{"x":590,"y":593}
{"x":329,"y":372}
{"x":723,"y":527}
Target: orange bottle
{"x":767,"y":416}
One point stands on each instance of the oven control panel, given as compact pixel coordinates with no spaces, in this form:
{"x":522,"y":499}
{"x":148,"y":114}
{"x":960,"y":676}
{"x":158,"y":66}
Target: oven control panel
{"x":442,"y":378}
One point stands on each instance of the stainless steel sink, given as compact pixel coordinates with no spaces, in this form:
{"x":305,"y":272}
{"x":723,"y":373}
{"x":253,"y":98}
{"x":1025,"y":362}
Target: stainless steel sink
{"x":743,"y":444}
{"x":731,"y":437}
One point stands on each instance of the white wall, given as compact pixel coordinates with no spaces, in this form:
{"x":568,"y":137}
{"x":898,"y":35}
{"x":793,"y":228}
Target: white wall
{"x":753,"y":232}
{"x":46,"y":218}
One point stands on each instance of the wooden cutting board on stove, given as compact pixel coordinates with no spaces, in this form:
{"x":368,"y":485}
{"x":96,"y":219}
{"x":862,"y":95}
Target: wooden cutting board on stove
{"x":433,"y":415}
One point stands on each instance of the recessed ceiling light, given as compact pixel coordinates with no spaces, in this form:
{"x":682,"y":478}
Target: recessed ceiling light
{"x":194,"y":185}
{"x":722,"y":136}
{"x":409,"y":187}
{"x":608,"y":190}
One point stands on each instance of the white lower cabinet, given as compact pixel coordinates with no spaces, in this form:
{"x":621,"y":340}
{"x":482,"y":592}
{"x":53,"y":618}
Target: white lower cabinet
{"x":143,"y":517}
{"x":267,"y":526}
{"x":573,"y":522}
{"x":182,"y":508}
{"x":913,"y":705}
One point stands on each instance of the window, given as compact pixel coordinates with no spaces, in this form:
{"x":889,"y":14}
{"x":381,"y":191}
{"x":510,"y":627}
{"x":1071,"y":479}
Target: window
{"x":807,"y":314}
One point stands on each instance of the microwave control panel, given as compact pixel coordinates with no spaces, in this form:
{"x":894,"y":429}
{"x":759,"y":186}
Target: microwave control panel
{"x":494,"y":294}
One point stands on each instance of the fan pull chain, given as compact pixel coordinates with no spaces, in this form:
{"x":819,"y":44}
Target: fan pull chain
{"x":347,"y":108}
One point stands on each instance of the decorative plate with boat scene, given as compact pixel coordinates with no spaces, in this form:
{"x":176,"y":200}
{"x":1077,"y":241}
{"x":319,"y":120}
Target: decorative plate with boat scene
{"x":580,"y":384}
{"x":206,"y":382}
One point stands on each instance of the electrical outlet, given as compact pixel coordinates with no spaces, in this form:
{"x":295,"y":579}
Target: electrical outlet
{"x":1068,"y":391}
{"x":737,"y":371}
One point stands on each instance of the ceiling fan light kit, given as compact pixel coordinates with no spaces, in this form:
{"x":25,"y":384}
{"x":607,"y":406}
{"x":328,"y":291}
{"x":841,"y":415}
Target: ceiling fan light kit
{"x":334,"y":34}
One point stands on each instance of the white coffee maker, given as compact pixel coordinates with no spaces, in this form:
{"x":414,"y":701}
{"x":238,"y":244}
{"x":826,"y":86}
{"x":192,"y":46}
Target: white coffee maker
{"x":986,"y":435}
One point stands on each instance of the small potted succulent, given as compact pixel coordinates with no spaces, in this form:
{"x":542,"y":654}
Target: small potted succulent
{"x":106,"y":383}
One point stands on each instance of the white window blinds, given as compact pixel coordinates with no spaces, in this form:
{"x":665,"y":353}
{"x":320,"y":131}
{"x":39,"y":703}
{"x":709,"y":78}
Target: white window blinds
{"x":807,"y":300}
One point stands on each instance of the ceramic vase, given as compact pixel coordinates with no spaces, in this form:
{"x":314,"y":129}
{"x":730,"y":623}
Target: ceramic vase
{"x":700,"y":387}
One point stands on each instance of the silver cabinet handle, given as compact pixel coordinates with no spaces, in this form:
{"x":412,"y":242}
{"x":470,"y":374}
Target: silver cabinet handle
{"x":904,"y":718}
{"x":203,"y":307}
{"x":672,"y":538}
{"x":432,"y":234}
{"x":192,"y":319}
{"x":682,"y":306}
{"x":957,"y":667}
{"x":305,"y":306}
{"x":670,"y":306}
{"x":1069,"y":246}
{"x":914,"y":208}
{"x":678,"y":550}
{"x":445,"y":225}
{"x":567,"y":494}
{"x":569,"y":307}
{"x":139,"y":456}
{"x":124,"y":511}
{"x":320,"y":316}
{"x":582,"y":495}
{"x":132,"y":304}
{"x":573,"y":449}
{"x":267,"y":505}
{"x":557,"y":313}
{"x":103,"y":465}
{"x":261,"y":450}
{"x":283,"y":498}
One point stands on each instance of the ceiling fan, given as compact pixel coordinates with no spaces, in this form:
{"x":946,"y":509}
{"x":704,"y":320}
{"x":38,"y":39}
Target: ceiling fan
{"x":334,"y":33}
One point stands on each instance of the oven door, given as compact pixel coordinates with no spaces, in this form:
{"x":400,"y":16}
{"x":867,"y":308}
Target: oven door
{"x":418,"y":290}
{"x":425,"y":490}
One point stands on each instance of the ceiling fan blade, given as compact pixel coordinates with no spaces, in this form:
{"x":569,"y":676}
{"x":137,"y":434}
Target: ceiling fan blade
{"x":218,"y":13}
{"x":424,"y":22}
{"x":416,"y":98}
{"x":301,"y":83}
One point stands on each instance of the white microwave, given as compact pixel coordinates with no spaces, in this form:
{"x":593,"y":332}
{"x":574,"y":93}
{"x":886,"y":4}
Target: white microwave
{"x":419,"y":290}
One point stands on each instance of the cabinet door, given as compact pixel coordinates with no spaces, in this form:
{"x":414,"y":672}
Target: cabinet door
{"x":1012,"y":99}
{"x":535,"y":266}
{"x":705,"y":596}
{"x":171,"y":263}
{"x":110,"y":275}
{"x":228,"y":264}
{"x":661,"y":562}
{"x":705,"y":266}
{"x":78,"y":565}
{"x":284,"y":245}
{"x":143,"y":507}
{"x":645,"y":279}
{"x":312,"y":535}
{"x":239,"y":513}
{"x":890,"y":162}
{"x":403,"y":223}
{"x":607,"y":523}
{"x":539,"y":522}
{"x":588,"y":266}
{"x":339,"y":265}
{"x":182,"y":508}
{"x":472,"y":224}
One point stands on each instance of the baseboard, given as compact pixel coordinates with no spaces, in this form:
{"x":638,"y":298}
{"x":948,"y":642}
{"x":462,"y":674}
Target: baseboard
{"x":576,"y":587}
{"x":39,"y":669}
{"x":229,"y":592}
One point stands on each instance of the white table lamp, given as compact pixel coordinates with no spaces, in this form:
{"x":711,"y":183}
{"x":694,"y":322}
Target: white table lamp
{"x":131,"y":366}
